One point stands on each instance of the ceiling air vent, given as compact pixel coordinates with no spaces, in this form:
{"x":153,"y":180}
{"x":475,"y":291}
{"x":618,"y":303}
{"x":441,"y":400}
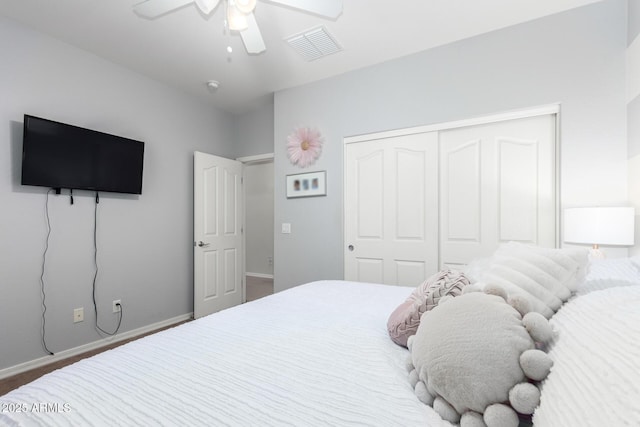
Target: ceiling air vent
{"x":314,"y":44}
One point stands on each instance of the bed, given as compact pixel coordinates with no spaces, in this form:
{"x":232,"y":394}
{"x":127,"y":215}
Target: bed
{"x":320,"y":354}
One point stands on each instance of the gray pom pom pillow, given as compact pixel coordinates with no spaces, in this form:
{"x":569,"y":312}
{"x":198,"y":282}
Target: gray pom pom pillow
{"x":405,"y":319}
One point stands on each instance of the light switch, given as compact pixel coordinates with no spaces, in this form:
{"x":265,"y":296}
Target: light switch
{"x":286,"y":228}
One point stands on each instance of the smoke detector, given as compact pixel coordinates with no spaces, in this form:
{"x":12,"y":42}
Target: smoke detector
{"x":213,"y":85}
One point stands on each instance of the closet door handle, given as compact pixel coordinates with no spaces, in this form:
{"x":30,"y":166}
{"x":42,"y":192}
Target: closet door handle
{"x":351,"y":248}
{"x":203,"y":244}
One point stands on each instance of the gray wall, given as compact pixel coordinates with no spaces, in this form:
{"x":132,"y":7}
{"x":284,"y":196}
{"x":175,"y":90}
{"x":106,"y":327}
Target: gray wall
{"x":253,"y":130}
{"x":258,"y":180}
{"x":633,"y":113}
{"x":633,"y":128}
{"x":253,"y":134}
{"x":576,"y":58}
{"x":633,"y":105}
{"x":634,"y":20}
{"x":145,"y":242}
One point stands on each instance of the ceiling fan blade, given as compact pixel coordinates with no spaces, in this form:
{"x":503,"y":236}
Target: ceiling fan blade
{"x":251,"y":37}
{"x":154,"y":8}
{"x":327,"y":8}
{"x":206,"y":6}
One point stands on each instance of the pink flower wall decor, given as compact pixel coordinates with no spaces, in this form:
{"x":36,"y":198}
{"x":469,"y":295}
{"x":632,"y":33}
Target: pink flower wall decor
{"x":304,"y":146}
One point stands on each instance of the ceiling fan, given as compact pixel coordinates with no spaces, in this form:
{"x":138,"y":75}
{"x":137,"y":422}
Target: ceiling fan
{"x":239,"y":14}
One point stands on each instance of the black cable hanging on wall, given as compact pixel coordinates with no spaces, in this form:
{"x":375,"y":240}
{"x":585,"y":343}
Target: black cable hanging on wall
{"x":43,"y":294}
{"x":95,"y":276}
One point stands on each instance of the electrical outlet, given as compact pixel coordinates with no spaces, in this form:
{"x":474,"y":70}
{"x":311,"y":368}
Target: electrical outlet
{"x":270,"y":260}
{"x":78,"y":315}
{"x":116,"y":305}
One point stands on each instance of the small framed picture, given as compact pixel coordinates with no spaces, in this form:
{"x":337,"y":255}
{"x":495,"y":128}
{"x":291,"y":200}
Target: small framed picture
{"x":307,"y":184}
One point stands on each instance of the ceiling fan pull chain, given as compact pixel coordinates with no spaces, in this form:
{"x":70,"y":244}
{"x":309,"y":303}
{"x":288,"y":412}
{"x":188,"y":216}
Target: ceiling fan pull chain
{"x":227,"y":31}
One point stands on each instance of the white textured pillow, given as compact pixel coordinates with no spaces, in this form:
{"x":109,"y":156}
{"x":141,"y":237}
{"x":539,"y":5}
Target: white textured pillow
{"x":614,"y":268}
{"x":546,"y":277}
{"x":609,"y":273}
{"x":595,"y":379}
{"x":601,"y":284}
{"x":476,"y":269}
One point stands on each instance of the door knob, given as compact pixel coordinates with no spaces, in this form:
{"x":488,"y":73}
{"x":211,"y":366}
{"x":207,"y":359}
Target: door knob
{"x":351,"y":248}
{"x":202,"y":244}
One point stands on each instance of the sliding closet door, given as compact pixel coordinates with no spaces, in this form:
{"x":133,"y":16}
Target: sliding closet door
{"x":391,"y":197}
{"x":497,"y":185}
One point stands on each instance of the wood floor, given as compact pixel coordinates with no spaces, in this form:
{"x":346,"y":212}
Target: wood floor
{"x":257,"y":287}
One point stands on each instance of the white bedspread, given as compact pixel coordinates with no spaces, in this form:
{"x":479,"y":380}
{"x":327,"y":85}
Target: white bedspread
{"x":318,"y":354}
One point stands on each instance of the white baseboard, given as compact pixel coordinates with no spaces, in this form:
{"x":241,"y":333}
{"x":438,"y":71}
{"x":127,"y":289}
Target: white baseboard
{"x":260,"y":275}
{"x":42,"y":361}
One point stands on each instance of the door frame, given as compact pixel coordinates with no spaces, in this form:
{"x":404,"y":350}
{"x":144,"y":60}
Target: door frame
{"x":550,"y":109}
{"x":473,"y":121}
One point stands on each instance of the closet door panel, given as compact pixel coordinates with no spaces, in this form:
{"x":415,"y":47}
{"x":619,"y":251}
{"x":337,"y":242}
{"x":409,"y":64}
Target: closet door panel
{"x":411,"y":273}
{"x":460,"y":197}
{"x":396,"y":198}
{"x":419,"y":202}
{"x":410,"y":187}
{"x":518,"y":190}
{"x":497,"y":185}
{"x":370,"y":198}
{"x":370,"y":270}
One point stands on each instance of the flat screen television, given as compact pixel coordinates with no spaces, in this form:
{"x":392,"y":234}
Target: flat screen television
{"x":59,"y":155}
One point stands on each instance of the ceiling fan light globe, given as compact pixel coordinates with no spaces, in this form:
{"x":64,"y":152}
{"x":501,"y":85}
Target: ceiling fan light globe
{"x":206,"y":6}
{"x":245,"y":6}
{"x":237,"y":20}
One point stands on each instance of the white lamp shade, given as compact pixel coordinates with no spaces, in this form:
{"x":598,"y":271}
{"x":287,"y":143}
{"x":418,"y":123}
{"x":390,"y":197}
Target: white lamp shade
{"x":599,"y":226}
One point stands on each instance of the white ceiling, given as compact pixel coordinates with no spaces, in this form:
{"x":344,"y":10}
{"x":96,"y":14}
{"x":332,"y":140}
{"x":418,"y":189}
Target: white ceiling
{"x":185,"y":48}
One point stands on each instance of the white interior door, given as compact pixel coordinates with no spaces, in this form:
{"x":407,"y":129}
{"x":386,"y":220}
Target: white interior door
{"x":497,"y":185}
{"x":391,"y":215}
{"x":218,"y":242}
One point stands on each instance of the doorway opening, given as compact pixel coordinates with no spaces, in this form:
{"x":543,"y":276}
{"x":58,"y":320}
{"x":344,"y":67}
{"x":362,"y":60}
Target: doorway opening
{"x":259,"y":220}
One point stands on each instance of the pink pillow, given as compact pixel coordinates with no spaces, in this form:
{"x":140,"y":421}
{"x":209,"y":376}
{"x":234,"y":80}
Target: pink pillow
{"x":405,"y":319}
